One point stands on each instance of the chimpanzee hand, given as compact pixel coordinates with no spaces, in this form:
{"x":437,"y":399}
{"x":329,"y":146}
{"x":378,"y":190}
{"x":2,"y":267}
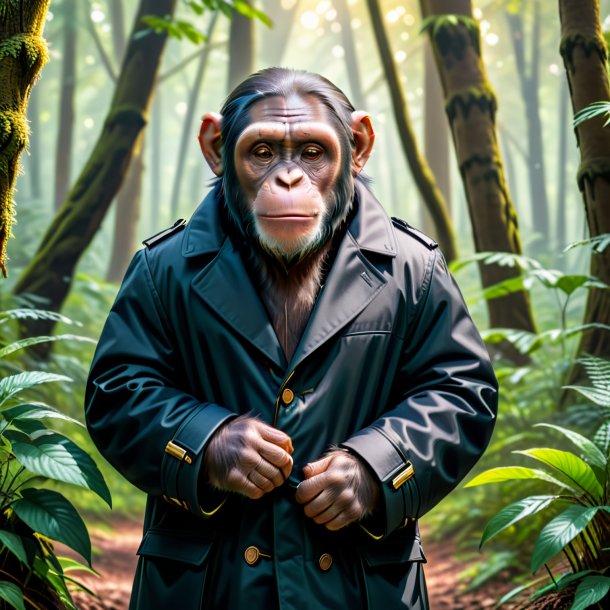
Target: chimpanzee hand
{"x":249,"y":457}
{"x":338,"y":490}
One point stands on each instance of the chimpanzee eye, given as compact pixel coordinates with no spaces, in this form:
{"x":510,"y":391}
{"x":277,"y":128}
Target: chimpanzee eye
{"x":312,"y":153}
{"x":263,"y":152}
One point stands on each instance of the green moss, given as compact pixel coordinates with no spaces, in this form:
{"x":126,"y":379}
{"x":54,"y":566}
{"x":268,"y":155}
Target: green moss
{"x":483,"y":97}
{"x":590,"y":171}
{"x":589,"y":44}
{"x":453,"y":33}
{"x":13,"y":138}
{"x":33,"y":48}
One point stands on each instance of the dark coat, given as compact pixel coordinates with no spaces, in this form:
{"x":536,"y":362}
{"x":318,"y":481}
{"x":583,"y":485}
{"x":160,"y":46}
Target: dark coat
{"x":390,"y":366}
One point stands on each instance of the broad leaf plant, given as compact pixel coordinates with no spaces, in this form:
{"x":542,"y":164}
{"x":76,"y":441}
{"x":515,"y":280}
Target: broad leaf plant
{"x":33,"y":514}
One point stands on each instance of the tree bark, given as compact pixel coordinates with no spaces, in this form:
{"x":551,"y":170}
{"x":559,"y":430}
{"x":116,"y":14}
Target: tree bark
{"x":34,"y":159}
{"x":422,"y":175}
{"x":23,"y":52}
{"x":584,"y":55}
{"x":241,"y":49}
{"x":529,"y":81}
{"x":49,"y":274}
{"x":471,"y":106}
{"x":63,"y":146}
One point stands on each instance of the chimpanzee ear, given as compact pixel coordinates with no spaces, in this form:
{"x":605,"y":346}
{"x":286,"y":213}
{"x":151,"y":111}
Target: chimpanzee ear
{"x":364,"y":137}
{"x":210,"y":141}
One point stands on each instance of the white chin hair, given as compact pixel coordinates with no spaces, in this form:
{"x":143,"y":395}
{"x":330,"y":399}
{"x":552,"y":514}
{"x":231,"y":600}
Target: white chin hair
{"x":292,"y":250}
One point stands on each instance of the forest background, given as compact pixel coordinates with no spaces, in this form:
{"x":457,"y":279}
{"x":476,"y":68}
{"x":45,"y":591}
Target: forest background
{"x":113,"y":158}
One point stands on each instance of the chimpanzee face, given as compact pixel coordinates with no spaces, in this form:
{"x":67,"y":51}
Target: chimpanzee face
{"x":287,"y":153}
{"x":287,"y":163}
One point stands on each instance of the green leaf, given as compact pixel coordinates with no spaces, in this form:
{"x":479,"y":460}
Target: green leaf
{"x":570,"y":465}
{"x":50,"y":514}
{"x":11,"y":594}
{"x":512,"y":473}
{"x":591,"y":111}
{"x":598,"y":243}
{"x":524,"y":341}
{"x":588,"y":448}
{"x":599,"y":396}
{"x":12,"y":385}
{"x":560,"y":531}
{"x":23,"y":343}
{"x":25,"y":313}
{"x":68,"y":564}
{"x":36,"y":410}
{"x":14,"y":544}
{"x":503,"y":259}
{"x":590,"y":591}
{"x":57,"y":457}
{"x":513,"y":513}
{"x":252,"y":13}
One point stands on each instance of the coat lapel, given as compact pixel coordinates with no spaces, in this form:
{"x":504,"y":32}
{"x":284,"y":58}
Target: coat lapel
{"x":353,"y":281}
{"x":224,"y":283}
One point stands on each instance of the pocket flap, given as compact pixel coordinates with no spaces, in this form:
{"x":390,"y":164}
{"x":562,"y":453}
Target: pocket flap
{"x":393,"y":551}
{"x":174,"y":546}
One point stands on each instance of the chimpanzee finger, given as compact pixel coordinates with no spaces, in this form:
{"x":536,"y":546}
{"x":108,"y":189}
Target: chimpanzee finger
{"x":261,"y":481}
{"x":275,"y":455}
{"x":237,"y":481}
{"x":275,"y":436}
{"x":309,"y":488}
{"x":270,"y":472}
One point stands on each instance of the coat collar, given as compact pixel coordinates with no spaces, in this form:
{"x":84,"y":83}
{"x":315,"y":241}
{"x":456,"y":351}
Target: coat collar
{"x":370,"y":227}
{"x":352,"y":283}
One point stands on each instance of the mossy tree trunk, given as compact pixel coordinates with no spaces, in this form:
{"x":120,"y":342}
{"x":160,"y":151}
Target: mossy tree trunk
{"x":470,"y":104}
{"x":433,"y":198}
{"x":23,"y":52}
{"x":49,"y":274}
{"x":585,"y":55}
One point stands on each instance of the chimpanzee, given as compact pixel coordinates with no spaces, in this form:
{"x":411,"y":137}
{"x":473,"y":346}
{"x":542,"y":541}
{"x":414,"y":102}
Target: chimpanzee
{"x":291,"y":376}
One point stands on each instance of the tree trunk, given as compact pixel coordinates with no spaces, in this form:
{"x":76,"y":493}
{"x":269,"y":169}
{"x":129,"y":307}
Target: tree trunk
{"x":422,"y":175}
{"x":351,"y":56}
{"x":277,"y":38}
{"x":156,"y":164}
{"x":562,"y":161}
{"x":63,"y":147}
{"x":23,"y":52}
{"x":530,"y":82}
{"x":129,"y":197}
{"x":471,"y":106}
{"x":436,"y":131}
{"x":188,"y":127}
{"x":35,"y":156}
{"x":127,"y":216}
{"x":584,"y":55}
{"x":241,"y":49}
{"x":49,"y":274}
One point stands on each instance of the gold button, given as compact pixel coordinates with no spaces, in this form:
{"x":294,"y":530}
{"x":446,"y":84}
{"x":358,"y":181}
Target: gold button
{"x":252,"y":555}
{"x":325,"y":562}
{"x":287,"y":396}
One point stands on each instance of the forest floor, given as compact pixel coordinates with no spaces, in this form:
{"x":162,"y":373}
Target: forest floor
{"x":115,"y":559}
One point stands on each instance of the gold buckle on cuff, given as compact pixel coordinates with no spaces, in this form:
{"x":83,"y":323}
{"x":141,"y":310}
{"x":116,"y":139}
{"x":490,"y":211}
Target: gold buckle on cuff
{"x":404,"y":476}
{"x":178,"y":452}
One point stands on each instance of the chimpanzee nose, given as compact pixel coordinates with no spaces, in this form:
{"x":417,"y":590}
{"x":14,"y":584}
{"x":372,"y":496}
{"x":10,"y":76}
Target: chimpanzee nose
{"x":287,"y":178}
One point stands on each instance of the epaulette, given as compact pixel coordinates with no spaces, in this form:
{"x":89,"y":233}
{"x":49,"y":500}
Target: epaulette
{"x":413,"y":232}
{"x":161,"y":235}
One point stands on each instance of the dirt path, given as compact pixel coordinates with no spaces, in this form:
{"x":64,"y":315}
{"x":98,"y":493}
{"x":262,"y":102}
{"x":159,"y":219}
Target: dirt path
{"x":115,"y":560}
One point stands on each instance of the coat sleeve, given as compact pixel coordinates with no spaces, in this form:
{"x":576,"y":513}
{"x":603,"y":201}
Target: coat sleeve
{"x":147,"y":427}
{"x":422,"y":447}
